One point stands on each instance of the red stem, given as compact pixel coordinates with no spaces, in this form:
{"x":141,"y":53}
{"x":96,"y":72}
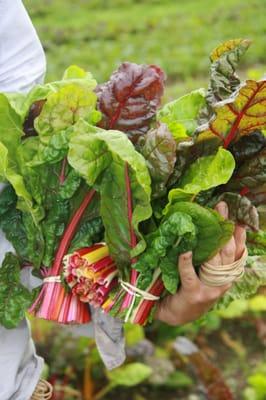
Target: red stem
{"x":70,"y":232}
{"x":146,"y":305}
{"x":244,"y":191}
{"x":133,"y":238}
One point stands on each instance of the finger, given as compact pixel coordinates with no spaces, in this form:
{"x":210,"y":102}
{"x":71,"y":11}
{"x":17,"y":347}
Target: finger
{"x":240,"y":240}
{"x":222,"y":209}
{"x":228,"y":252}
{"x":216,"y":260}
{"x":188,"y":276}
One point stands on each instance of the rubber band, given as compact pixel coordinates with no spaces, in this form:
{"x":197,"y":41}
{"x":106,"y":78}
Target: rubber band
{"x":43,"y":391}
{"x":52,"y":279}
{"x":134,"y":291}
{"x":219,"y":275}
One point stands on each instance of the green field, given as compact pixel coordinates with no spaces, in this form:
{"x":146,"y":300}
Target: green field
{"x":177,"y":35}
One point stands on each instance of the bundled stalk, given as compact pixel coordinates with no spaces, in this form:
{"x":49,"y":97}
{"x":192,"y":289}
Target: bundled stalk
{"x":54,"y":302}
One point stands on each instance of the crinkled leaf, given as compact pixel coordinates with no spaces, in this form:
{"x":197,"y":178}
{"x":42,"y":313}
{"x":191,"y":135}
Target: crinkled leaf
{"x":241,"y":115}
{"x":129,"y":100}
{"x":10,"y":139}
{"x":251,"y":177}
{"x":175,"y":234}
{"x":240,"y":209}
{"x":205,"y":173}
{"x":10,"y":216}
{"x":224,"y":59}
{"x":248,"y":146}
{"x":181,"y":115}
{"x":103,"y":159}
{"x":212,"y":230}
{"x":22,"y":102}
{"x":15,"y":299}
{"x":64,"y":108}
{"x":256,"y":242}
{"x":10,"y":126}
{"x":159,"y":150}
{"x":129,"y":375}
{"x":75,"y":72}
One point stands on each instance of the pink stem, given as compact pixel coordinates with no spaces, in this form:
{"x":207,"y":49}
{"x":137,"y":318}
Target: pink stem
{"x":133,"y":239}
{"x":145,"y":306}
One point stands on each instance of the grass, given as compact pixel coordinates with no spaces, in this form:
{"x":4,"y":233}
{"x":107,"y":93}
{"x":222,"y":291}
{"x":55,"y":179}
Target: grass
{"x":177,"y":35}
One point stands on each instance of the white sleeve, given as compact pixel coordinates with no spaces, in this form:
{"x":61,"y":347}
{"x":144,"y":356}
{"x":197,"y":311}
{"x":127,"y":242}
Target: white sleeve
{"x":22,"y":65}
{"x":22,"y":59}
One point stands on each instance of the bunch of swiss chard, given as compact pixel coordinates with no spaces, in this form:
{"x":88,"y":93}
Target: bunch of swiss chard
{"x":87,"y":163}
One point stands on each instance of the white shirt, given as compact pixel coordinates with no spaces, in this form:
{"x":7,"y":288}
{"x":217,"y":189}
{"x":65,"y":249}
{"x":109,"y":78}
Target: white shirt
{"x":22,"y":65}
{"x":22,"y":59}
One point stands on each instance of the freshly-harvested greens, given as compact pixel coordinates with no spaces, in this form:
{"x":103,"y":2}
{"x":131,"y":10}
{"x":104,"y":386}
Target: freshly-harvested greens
{"x":87,"y":163}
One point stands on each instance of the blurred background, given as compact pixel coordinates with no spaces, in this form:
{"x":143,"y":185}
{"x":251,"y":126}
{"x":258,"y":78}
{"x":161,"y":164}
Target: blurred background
{"x":225,"y":351}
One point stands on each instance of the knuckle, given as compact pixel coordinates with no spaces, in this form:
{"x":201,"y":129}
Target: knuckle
{"x":229,"y":249}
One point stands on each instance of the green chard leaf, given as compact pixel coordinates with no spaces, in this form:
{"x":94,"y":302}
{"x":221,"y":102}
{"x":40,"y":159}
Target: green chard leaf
{"x":60,"y":112}
{"x":256,"y":243}
{"x":205,"y":173}
{"x":224,"y":60}
{"x":22,"y":102}
{"x":212,"y":230}
{"x":181,"y":115}
{"x":10,"y":216}
{"x":108,"y":161}
{"x":174,"y":235}
{"x":15,"y":299}
{"x":248,"y":285}
{"x":159,"y":150}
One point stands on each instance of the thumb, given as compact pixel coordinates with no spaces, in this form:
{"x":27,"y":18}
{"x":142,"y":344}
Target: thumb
{"x":188,"y":276}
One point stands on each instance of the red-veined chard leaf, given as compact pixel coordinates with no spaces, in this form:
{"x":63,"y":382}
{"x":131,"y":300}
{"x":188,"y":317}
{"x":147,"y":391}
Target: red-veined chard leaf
{"x":248,"y":146}
{"x":240,"y":208}
{"x":250,"y":178}
{"x":244,"y":113}
{"x":158,"y":147}
{"x":129,"y":100}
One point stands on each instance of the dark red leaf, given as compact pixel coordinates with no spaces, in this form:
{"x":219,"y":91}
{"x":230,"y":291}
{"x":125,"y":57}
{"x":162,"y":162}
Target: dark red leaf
{"x":129,"y":100}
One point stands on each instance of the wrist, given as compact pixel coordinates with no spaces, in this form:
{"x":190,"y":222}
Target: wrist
{"x":164,"y":313}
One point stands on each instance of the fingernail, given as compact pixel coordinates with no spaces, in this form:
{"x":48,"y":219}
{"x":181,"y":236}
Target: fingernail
{"x":222,"y":208}
{"x":187,"y":255}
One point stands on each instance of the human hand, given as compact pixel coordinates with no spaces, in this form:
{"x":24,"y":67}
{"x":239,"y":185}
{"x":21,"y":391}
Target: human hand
{"x":194,"y":298}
